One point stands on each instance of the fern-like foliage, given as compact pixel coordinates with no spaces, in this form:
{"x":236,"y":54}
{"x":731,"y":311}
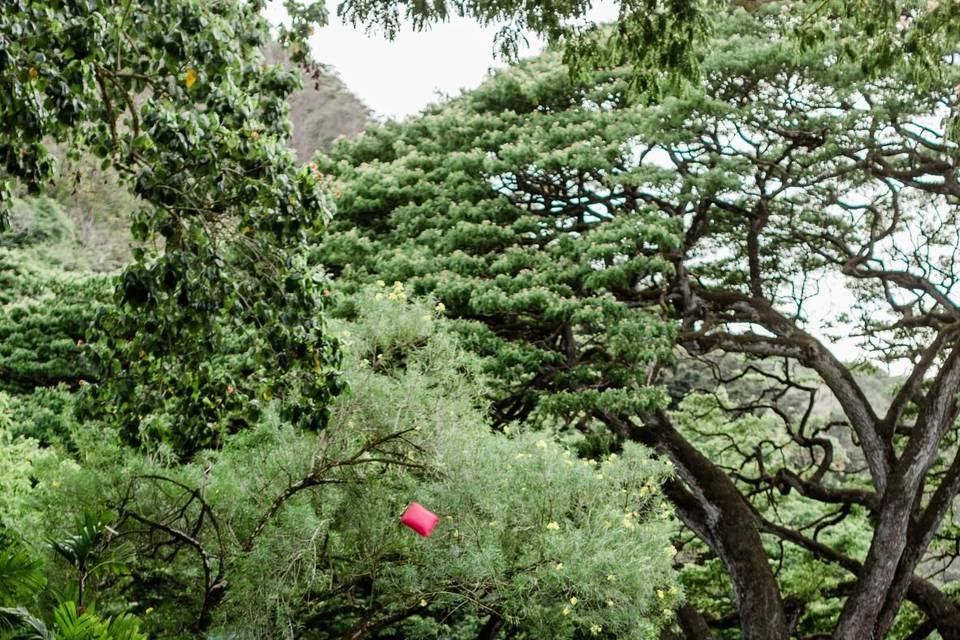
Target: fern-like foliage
{"x":20,"y":576}
{"x":16,"y":623}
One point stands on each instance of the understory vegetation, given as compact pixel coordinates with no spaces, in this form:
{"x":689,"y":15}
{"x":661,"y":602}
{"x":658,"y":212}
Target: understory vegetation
{"x":303,"y":524}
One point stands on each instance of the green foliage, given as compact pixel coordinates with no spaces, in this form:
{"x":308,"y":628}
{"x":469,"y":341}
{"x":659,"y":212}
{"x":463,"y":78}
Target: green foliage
{"x":656,"y":39}
{"x":581,"y":241}
{"x":501,"y":204}
{"x":307,"y":524}
{"x":21,"y":460}
{"x":70,"y":623}
{"x":177,"y":98}
{"x":20,"y":575}
{"x":21,"y":581}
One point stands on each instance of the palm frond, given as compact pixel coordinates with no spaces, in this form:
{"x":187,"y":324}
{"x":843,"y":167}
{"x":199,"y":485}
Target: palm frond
{"x":20,"y":576}
{"x":23,"y":625}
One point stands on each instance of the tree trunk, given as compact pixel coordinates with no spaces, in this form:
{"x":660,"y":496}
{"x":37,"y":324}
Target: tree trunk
{"x":709,"y":503}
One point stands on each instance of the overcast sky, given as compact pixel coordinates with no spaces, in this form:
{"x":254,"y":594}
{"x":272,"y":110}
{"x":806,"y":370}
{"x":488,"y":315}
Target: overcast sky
{"x":399,"y":78}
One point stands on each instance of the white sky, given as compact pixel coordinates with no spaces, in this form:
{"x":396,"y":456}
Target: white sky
{"x":399,"y":78}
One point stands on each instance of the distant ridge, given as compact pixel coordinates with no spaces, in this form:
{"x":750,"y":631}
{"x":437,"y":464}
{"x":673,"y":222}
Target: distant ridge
{"x":320,"y":115}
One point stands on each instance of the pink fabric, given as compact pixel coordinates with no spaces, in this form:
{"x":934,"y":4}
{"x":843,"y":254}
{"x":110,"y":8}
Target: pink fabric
{"x":419,"y":519}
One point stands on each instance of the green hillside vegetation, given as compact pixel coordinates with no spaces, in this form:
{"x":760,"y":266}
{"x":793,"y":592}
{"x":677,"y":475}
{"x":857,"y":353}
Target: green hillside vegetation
{"x":306,"y":524}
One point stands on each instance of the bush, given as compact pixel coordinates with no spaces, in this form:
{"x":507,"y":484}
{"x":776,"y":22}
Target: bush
{"x":307,"y":525}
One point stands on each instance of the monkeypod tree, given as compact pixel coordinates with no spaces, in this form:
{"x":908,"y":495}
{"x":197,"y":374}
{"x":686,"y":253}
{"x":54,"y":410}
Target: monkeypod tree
{"x":585,"y":242}
{"x":219,"y":312}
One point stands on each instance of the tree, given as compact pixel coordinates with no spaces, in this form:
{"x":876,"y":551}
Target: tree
{"x":659,"y":40}
{"x":581,"y":239}
{"x":218,"y":312}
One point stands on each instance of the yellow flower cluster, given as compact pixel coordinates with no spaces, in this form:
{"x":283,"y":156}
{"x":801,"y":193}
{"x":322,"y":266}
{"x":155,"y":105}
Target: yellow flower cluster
{"x":397,"y":293}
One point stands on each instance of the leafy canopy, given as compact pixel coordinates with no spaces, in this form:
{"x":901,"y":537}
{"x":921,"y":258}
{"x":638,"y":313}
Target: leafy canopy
{"x":218,"y":312}
{"x":585,"y":242}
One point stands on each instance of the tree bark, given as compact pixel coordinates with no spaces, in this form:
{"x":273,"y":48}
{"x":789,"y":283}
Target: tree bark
{"x":709,"y":503}
{"x":860,"y":618}
{"x":692,"y":624}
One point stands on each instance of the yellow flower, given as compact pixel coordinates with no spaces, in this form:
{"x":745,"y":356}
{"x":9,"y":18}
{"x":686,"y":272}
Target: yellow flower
{"x":506,"y":431}
{"x":191,"y":78}
{"x":609,"y":603}
{"x":553,"y":526}
{"x":381,"y":283}
{"x":398,"y":286}
{"x":566,"y":611}
{"x":661,"y":594}
{"x":596,"y":629}
{"x":148,"y":611}
{"x":574,"y":600}
{"x":668,"y":613}
{"x":423,"y":602}
{"x":591,"y":462}
{"x":493,"y":523}
{"x":612,"y":457}
{"x":626,"y":523}
{"x":673,"y":591}
{"x":607,"y":524}
{"x":456,"y":533}
{"x":55,"y":484}
{"x":611,"y":577}
{"x":440,"y":307}
{"x":670,"y":550}
{"x":541,"y":444}
{"x":559,"y":566}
